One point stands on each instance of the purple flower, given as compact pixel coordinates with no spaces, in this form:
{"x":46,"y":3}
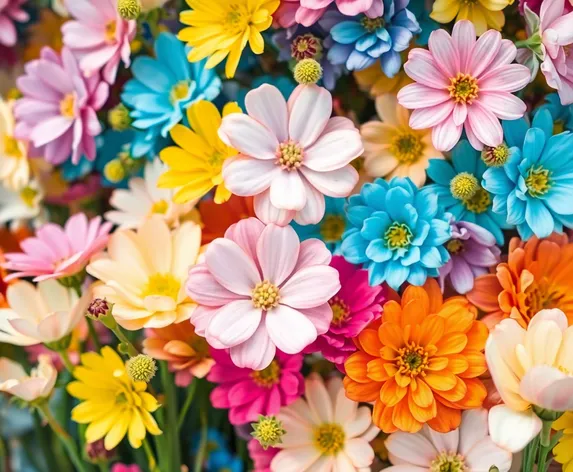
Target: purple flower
{"x":473,"y":252}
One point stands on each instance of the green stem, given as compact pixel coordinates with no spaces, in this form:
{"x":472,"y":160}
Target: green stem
{"x":202,"y":450}
{"x":103,"y":466}
{"x":66,"y":360}
{"x":188,"y":400}
{"x":3,"y":455}
{"x":172,"y":422}
{"x":545,"y":435}
{"x":93,"y":334}
{"x":126,"y":342}
{"x":151,"y":461}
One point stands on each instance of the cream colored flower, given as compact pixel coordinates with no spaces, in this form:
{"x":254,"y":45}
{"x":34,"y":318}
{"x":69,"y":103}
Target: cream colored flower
{"x":23,"y":204}
{"x":39,"y":384}
{"x":14,"y":168}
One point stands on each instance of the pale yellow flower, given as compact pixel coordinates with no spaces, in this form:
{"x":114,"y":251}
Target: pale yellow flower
{"x":14,"y":167}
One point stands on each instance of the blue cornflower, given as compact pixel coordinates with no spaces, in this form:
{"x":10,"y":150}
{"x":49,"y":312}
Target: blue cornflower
{"x":562,"y":114}
{"x":361,"y":41}
{"x":534,"y":190}
{"x":397,"y":232}
{"x":331,"y":228}
{"x":464,"y":174}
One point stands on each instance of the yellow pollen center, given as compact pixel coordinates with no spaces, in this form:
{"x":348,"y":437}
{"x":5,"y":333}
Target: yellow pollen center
{"x":463,"y":88}
{"x":455,"y":246}
{"x":332,"y":228}
{"x":237,"y":19}
{"x":329,"y":439}
{"x":28,"y":196}
{"x":372,"y":24}
{"x":448,"y":462}
{"x":179,"y":91}
{"x":464,"y":186}
{"x":216,"y":160}
{"x":67,"y":106}
{"x":538,"y":181}
{"x":542,"y":295}
{"x":110,"y":30}
{"x":340,"y":310}
{"x":407,"y":147}
{"x":397,"y":236}
{"x":496,"y":156}
{"x":12,"y":147}
{"x":267,"y":377}
{"x":165,"y":285}
{"x":160,"y":207}
{"x":265,"y":295}
{"x":412,"y":360}
{"x":289,"y":155}
{"x":479,"y":203}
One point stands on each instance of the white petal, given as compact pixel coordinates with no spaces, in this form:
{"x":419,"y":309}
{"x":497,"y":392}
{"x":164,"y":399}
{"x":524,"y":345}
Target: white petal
{"x":289,"y":329}
{"x":512,"y":430}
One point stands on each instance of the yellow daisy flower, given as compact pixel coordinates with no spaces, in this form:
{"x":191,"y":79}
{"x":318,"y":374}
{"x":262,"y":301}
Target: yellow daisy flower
{"x":221,"y":29}
{"x":374,"y":81}
{"x":484,"y":14}
{"x":112,"y":405}
{"x":563,"y":451}
{"x":196,"y":163}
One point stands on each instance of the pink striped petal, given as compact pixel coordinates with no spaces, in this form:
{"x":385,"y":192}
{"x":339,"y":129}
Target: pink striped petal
{"x":277,"y":251}
{"x":484,"y":52}
{"x":267,"y":105}
{"x":245,"y":176}
{"x":503,"y":105}
{"x":446,"y":135}
{"x":309,"y":114}
{"x":424,"y":118}
{"x":485,"y":125}
{"x":337,"y":183}
{"x":422,"y":68}
{"x":289,"y":329}
{"x":445,"y":54}
{"x":508,"y":78}
{"x":333,"y":150}
{"x":234,"y":323}
{"x":414,"y":96}
{"x":464,"y":38}
{"x":249,"y":137}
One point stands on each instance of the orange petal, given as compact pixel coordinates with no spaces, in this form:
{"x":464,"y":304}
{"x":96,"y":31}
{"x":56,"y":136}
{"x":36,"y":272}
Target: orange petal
{"x":403,"y":418}
{"x":434,"y":295}
{"x":457,"y":363}
{"x":376,"y":371}
{"x":432,"y":330}
{"x":361,"y":392}
{"x":356,"y":367}
{"x":388,"y":353}
{"x":370,"y":342}
{"x":477,"y":336}
{"x":391,"y":369}
{"x":421,"y":393}
{"x":458,"y":317}
{"x":391,"y":393}
{"x":422,"y":414}
{"x":485,"y":291}
{"x":475,"y":395}
{"x":402,"y":380}
{"x":476,"y":364}
{"x":455,"y":394}
{"x":391,"y":335}
{"x":438,"y":363}
{"x":451,"y":344}
{"x":415,"y":305}
{"x":446,"y":420}
{"x":382,"y":417}
{"x":441,"y":381}
{"x":392,"y":312}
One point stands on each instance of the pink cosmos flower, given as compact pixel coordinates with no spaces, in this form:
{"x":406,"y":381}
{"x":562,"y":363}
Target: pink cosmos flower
{"x":11,"y":12}
{"x":100,"y":37}
{"x":58,"y":110}
{"x":248,"y":393}
{"x":290,"y":155}
{"x":354,"y":307}
{"x":260,"y":289}
{"x":261,"y":457}
{"x":466,"y":84}
{"x":308,"y":12}
{"x":57,"y":252}
{"x":556,"y":29}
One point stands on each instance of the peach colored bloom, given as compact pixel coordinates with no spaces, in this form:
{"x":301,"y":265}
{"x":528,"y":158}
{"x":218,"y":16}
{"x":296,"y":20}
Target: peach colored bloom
{"x":39,"y":384}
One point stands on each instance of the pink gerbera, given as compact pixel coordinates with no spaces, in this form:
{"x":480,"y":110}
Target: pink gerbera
{"x":260,"y":289}
{"x":100,"y":37}
{"x":464,"y":84}
{"x":58,"y":110}
{"x":248,"y":393}
{"x":11,"y":12}
{"x":354,"y":307}
{"x":308,"y":12}
{"x":290,"y":155}
{"x":57,"y":252}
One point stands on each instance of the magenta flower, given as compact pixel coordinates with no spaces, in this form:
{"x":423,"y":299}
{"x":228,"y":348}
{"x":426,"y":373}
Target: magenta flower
{"x":58,"y":110}
{"x":290,"y":156}
{"x":261,"y":457}
{"x":473,"y":251}
{"x":464,"y":84}
{"x":308,"y":12}
{"x":353,"y":307}
{"x":100,"y":37}
{"x":125,"y":468}
{"x":260,"y":289}
{"x":57,"y":252}
{"x":248,"y":393}
{"x":11,"y":12}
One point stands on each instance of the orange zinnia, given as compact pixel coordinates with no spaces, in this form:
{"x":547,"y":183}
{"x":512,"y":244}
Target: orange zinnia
{"x":217,"y":217}
{"x":537,"y":275}
{"x":420,"y":365}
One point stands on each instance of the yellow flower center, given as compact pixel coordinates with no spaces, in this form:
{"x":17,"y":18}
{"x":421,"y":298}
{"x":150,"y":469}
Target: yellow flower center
{"x":332,"y":228}
{"x":538,"y":181}
{"x":463,"y":88}
{"x":110,"y":30}
{"x":165,"y":285}
{"x":397,"y":236}
{"x":306,"y":46}
{"x":372,"y":24}
{"x":496,"y":156}
{"x":28,"y":196}
{"x":216,"y":160}
{"x":340,"y":310}
{"x":455,"y":246}
{"x":267,"y":377}
{"x":329,"y":439}
{"x":265,"y":295}
{"x":179,"y":91}
{"x":237,"y":19}
{"x":479,"y":203}
{"x":289,"y":155}
{"x":141,"y":368}
{"x":268,"y":431}
{"x":542,"y":296}
{"x":464,"y":186}
{"x":412,"y":360}
{"x":67,"y":106}
{"x":448,"y":462}
{"x":114,"y":171}
{"x":12,"y":147}
{"x":160,"y":207}
{"x":407,"y":147}
{"x":307,"y":71}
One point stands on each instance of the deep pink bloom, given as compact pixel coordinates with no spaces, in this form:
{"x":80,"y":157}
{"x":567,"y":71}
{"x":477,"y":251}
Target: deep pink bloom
{"x":290,"y":155}
{"x":248,"y":393}
{"x":261,"y":457}
{"x":260,"y":289}
{"x":535,"y":6}
{"x":354,"y":306}
{"x":464,"y":84}
{"x":308,"y":12}
{"x":125,"y":468}
{"x":11,"y":12}
{"x":57,"y":252}
{"x":58,"y":110}
{"x":100,"y":37}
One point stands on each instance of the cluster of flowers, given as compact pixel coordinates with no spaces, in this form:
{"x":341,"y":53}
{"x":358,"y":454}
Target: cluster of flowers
{"x":200,"y":191}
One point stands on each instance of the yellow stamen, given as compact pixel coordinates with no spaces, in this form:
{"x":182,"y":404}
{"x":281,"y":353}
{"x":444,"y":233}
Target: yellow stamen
{"x":68,"y":105}
{"x":265,"y":295}
{"x":407,"y":147}
{"x":329,"y":439}
{"x":463,"y":88}
{"x":269,"y":376}
{"x":332,"y":228}
{"x":165,"y":285}
{"x":398,"y":236}
{"x":289,"y":155}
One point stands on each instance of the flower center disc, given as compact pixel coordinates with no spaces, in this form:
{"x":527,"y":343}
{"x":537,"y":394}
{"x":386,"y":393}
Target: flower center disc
{"x":448,"y":462}
{"x":289,"y":155}
{"x":164,"y":285}
{"x":538,"y":181}
{"x":11,"y":147}
{"x":329,"y":439}
{"x":407,"y":147}
{"x":463,"y":88}
{"x":372,"y":24}
{"x":412,"y":360}
{"x":340,"y":310}
{"x":398,"y":236}
{"x":479,"y":203}
{"x":67,"y":106}
{"x":332,"y":228}
{"x":267,"y":377}
{"x":265,"y":295}
{"x":306,"y":46}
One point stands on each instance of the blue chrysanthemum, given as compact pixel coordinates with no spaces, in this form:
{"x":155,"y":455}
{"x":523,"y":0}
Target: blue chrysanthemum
{"x":397,"y":233}
{"x":562,"y":114}
{"x":361,"y":41}
{"x":476,"y":206}
{"x":534,"y":190}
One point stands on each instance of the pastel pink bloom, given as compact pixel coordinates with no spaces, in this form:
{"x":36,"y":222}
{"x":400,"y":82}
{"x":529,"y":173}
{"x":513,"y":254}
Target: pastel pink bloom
{"x":11,"y":12}
{"x":556,"y":29}
{"x":58,"y":110}
{"x":462,"y":84}
{"x":39,"y":384}
{"x":354,"y":307}
{"x":290,"y":155}
{"x":260,"y":289}
{"x":261,"y":457}
{"x":100,"y":37}
{"x":57,"y":252}
{"x":308,"y":12}
{"x":247,"y":393}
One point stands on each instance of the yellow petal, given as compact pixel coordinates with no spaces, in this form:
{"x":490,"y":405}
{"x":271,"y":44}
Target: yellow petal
{"x":231,"y":107}
{"x":136,"y":432}
{"x":205,"y":120}
{"x":193,"y":192}
{"x":256,"y":41}
{"x":222,"y":194}
{"x":174,"y":179}
{"x":118,"y":430}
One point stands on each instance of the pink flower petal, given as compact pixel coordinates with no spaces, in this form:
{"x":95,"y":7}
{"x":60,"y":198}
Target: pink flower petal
{"x":312,"y":252}
{"x":289,"y":329}
{"x":512,"y":430}
{"x":204,"y":289}
{"x":424,"y":118}
{"x":484,"y":51}
{"x":287,"y":191}
{"x":416,"y":95}
{"x":464,"y":38}
{"x":485,"y":125}
{"x":508,"y":78}
{"x":353,"y":7}
{"x":246,"y":233}
{"x":473,"y":429}
{"x":314,"y":208}
{"x":444,"y":52}
{"x":333,"y":150}
{"x":50,"y":130}
{"x":412,"y":449}
{"x":337,"y":183}
{"x":310,"y":287}
{"x":267,"y":105}
{"x":422,"y":68}
{"x":248,"y":136}
{"x":506,"y":55}
{"x":320,"y":316}
{"x":245,"y":176}
{"x":309,"y":114}
{"x":277,"y":251}
{"x":268,"y":213}
{"x":550,"y":12}
{"x":503,"y":105}
{"x":446,"y":135}
{"x":255,"y":353}
{"x":460,"y":113}
{"x":234,"y":323}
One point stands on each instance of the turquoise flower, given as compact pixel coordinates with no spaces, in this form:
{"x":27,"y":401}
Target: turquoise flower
{"x":562,"y":114}
{"x":458,"y":187}
{"x":397,"y":232}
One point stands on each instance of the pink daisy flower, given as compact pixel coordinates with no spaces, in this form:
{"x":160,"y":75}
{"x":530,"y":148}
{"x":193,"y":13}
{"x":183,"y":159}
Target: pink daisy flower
{"x":100,"y":37}
{"x":308,"y":12}
{"x":261,"y":457}
{"x":11,"y":12}
{"x":466,"y":84}
{"x":58,"y":110}
{"x":290,"y":155}
{"x":260,"y":289}
{"x":354,"y":306}
{"x":248,"y":393}
{"x":57,"y":252}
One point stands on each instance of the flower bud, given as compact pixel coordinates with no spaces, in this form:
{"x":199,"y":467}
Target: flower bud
{"x":268,"y":431}
{"x":129,"y":9}
{"x":307,"y":71}
{"x":141,"y":368}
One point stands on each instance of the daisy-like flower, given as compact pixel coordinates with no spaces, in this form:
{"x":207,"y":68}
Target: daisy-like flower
{"x":249,"y":393}
{"x":39,"y":384}
{"x":99,"y":36}
{"x":325,"y":431}
{"x":421,"y":364}
{"x":260,"y":290}
{"x":217,"y":217}
{"x":23,"y":204}
{"x":11,"y":12}
{"x":483,"y":14}
{"x":290,"y":155}
{"x":56,"y":252}
{"x":464,"y":84}
{"x":196,"y":163}
{"x":143,"y":273}
{"x":186,"y":352}
{"x":467,"y":448}
{"x":111,"y":404}
{"x":68,"y":123}
{"x":14,"y":166}
{"x":142,"y":199}
{"x":308,"y":12}
{"x":221,"y":30}
{"x":392,"y":148}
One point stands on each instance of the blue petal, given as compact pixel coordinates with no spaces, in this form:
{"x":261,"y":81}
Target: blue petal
{"x":397,"y":198}
{"x":485,"y":221}
{"x":515,"y":209}
{"x":357,"y":214}
{"x":511,"y":167}
{"x":412,"y":256}
{"x":458,"y":211}
{"x":533,"y":145}
{"x":464,"y":158}
{"x":407,"y":215}
{"x":171,"y":52}
{"x":375,"y":227}
{"x":495,"y":181}
{"x":539,"y":218}
{"x":426,"y":204}
{"x":560,"y":199}
{"x":421,"y":232}
{"x":543,"y":121}
{"x":524,"y":231}
{"x":153,"y":75}
{"x":440,"y":232}
{"x":401,"y":38}
{"x":359,"y":60}
{"x":339,"y":53}
{"x":366,"y":42}
{"x":376,"y":273}
{"x":441,"y":171}
{"x":431,"y":258}
{"x":557,"y":153}
{"x":378,"y":49}
{"x":347,"y":32}
{"x":383,"y":35}
{"x":514,"y":132}
{"x":391,"y":63}
{"x":354,"y":248}
{"x":378,"y":252}
{"x":396,"y":274}
{"x":406,"y":19}
{"x":418,"y":276}
{"x":374,"y":195}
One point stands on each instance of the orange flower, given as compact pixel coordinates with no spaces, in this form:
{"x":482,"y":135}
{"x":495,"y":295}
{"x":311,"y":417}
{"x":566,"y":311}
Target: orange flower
{"x":537,"y":275}
{"x":420,"y":365}
{"x":217,"y":218}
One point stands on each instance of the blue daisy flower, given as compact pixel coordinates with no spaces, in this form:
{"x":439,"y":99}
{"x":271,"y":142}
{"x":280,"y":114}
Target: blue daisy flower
{"x":397,"y":232}
{"x":562,"y":114}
